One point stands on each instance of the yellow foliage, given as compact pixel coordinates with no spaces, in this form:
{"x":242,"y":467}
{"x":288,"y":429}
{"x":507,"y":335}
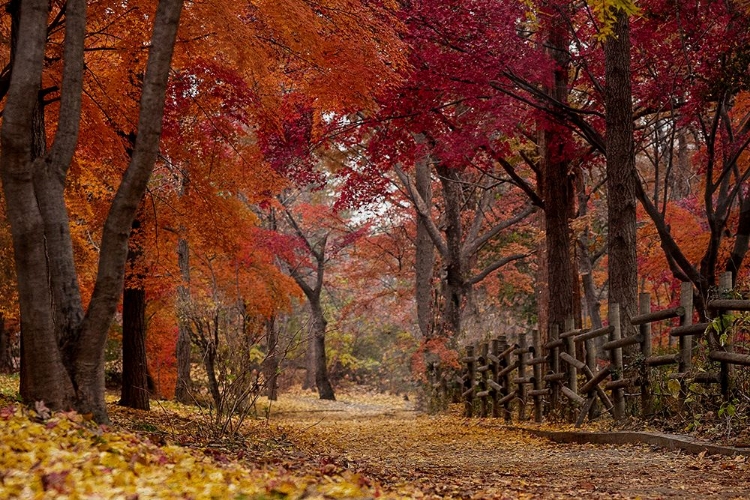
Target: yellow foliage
{"x":67,"y":456}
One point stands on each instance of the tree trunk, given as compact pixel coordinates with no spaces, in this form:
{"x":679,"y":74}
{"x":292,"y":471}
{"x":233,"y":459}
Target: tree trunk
{"x":6,"y":357}
{"x":621,"y":175}
{"x":43,"y":374}
{"x":209,"y":361}
{"x":586,"y":266}
{"x":66,"y":355}
{"x":319,"y":323}
{"x":558,"y":190}
{"x":425,"y":254}
{"x":183,"y":347}
{"x":453,"y":279}
{"x":271,"y":363}
{"x":310,"y":366}
{"x":680,"y":180}
{"x":135,"y":391}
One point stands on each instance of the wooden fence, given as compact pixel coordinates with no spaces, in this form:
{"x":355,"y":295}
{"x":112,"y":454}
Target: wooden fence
{"x":563,"y":376}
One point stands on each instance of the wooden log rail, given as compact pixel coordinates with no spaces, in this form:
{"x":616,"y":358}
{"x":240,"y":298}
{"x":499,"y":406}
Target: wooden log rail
{"x":652,"y":317}
{"x":499,"y":374}
{"x":593,"y":334}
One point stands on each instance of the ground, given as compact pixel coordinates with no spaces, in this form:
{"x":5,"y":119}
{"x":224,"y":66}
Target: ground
{"x":365,"y":445}
{"x":438,"y":456}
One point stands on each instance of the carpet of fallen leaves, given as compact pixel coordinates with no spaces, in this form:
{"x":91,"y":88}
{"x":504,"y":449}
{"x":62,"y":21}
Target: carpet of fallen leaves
{"x":365,"y":445}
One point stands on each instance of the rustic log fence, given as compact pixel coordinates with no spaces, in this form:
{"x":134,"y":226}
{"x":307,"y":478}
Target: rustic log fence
{"x":554,"y":380}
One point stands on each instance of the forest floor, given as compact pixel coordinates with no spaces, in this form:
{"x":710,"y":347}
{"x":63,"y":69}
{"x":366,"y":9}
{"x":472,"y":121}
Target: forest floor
{"x":417,"y":455}
{"x":365,"y":445}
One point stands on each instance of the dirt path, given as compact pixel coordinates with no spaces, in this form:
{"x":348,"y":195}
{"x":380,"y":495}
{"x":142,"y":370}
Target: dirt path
{"x":416,"y":455}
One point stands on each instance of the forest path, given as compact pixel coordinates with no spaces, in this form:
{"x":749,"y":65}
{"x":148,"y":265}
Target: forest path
{"x":415,"y":455}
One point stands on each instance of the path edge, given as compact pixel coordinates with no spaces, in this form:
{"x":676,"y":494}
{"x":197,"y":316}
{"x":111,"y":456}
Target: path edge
{"x":666,"y":441}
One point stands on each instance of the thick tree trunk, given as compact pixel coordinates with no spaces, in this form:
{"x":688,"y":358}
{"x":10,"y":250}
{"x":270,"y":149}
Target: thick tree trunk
{"x":453,"y":280}
{"x":43,"y":374}
{"x":558,"y":190}
{"x":135,"y":392}
{"x":621,"y":175}
{"x":425,"y":254}
{"x":271,"y":363}
{"x":183,"y":348}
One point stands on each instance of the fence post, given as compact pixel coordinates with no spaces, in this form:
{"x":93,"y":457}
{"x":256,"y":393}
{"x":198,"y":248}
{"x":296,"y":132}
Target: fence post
{"x":506,"y":379}
{"x":523,"y":345}
{"x":686,"y":341}
{"x":644,"y":305}
{"x":554,"y":364}
{"x":538,"y":382}
{"x":483,"y":386}
{"x":725,"y":374}
{"x":618,"y":393}
{"x":469,"y":382}
{"x":570,"y":349}
{"x":494,"y":369}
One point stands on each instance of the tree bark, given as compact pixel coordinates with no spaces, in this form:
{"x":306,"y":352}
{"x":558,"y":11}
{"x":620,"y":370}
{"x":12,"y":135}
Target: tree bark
{"x":319,"y":323}
{"x":209,"y":360}
{"x":310,"y":366}
{"x":6,"y":357}
{"x":586,"y":266}
{"x":182,"y":349}
{"x":425,"y":253}
{"x":67,"y":348}
{"x":453,"y":283}
{"x":316,"y":352}
{"x":44,"y":376}
{"x":135,"y":391}
{"x":621,"y":175}
{"x":558,"y":190}
{"x":271,"y":363}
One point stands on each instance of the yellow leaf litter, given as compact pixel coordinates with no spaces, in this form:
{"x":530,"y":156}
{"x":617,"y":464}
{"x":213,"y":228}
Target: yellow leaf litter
{"x":66,"y":457}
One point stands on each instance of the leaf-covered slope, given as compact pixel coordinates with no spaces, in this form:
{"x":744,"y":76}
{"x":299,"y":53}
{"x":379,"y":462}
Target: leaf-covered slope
{"x":67,"y":456}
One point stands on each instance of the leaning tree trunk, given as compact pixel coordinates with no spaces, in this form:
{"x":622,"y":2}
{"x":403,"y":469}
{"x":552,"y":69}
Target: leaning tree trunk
{"x":43,"y":373}
{"x":319,"y":323}
{"x":621,"y":174}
